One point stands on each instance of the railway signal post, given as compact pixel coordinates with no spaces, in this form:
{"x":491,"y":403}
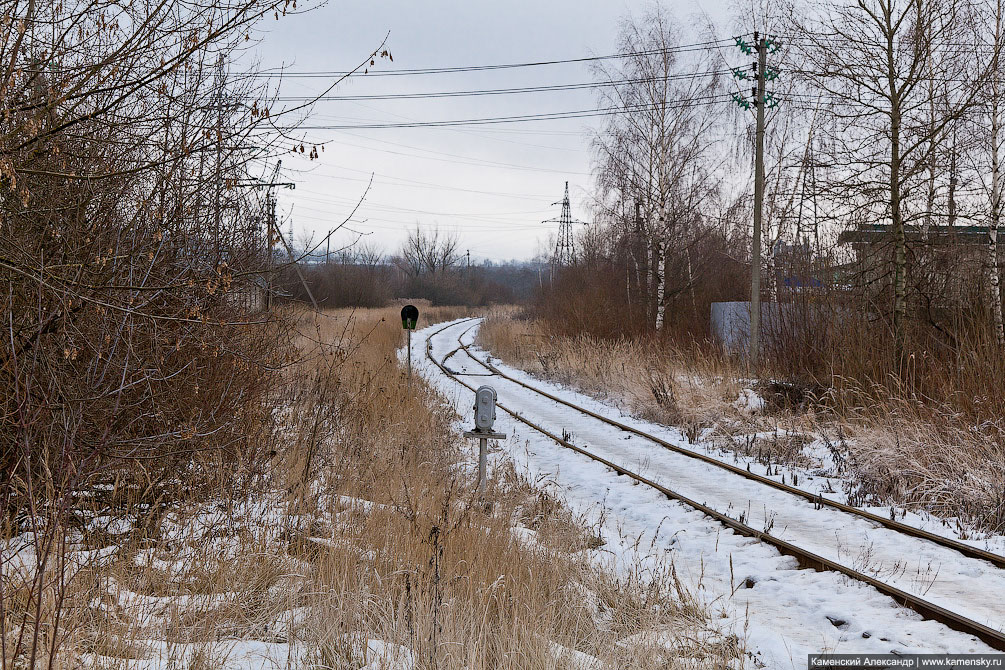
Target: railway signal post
{"x":409,"y":317}
{"x":485,"y":416}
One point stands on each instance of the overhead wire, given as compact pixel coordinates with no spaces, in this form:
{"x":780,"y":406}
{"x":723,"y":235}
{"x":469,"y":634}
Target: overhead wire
{"x":523,"y":118}
{"x":795,"y":100}
{"x":548,"y":88}
{"x":683,"y":48}
{"x":414,"y":183}
{"x":472,"y":216}
{"x":445,"y":157}
{"x":469,"y":131}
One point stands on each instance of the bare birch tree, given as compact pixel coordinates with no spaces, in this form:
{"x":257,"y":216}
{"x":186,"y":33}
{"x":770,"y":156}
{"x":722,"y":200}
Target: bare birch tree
{"x":987,"y":128}
{"x":129,"y":244}
{"x":655,"y":154}
{"x":873,"y":61}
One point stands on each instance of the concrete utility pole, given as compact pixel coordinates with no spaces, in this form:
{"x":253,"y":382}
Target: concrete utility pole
{"x":755,"y":260}
{"x":271,"y":229}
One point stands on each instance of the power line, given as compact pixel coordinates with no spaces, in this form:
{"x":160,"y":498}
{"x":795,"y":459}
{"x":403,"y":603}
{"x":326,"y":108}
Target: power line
{"x":684,"y":48}
{"x":524,"y":118}
{"x":471,"y":216}
{"x":547,"y":88}
{"x":401,"y":225}
{"x":414,"y":183}
{"x":460,"y":131}
{"x":455,"y":159}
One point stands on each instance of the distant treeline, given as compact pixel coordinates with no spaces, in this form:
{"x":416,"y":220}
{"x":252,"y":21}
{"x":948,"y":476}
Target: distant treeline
{"x":356,"y":284}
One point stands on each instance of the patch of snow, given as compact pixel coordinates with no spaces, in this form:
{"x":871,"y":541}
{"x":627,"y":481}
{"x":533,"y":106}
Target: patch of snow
{"x":749,"y":403}
{"x":526,"y":537}
{"x":94,"y":557}
{"x":382,"y":655}
{"x":112,"y":526}
{"x":574,"y":659}
{"x":784,"y":615}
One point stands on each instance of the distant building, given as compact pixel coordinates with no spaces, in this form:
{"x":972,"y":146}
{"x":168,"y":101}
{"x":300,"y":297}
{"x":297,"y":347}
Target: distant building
{"x":945,"y":264}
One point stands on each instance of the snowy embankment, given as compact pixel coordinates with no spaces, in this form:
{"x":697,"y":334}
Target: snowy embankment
{"x":782,"y":612}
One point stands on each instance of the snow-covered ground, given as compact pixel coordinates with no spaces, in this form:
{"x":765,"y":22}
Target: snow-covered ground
{"x":783,"y":612}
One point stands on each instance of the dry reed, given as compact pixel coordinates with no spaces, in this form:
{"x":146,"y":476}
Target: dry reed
{"x":364,"y":543}
{"x":894,"y":448}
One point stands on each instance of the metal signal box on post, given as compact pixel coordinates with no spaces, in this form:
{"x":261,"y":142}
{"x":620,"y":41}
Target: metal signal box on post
{"x":485,"y":409}
{"x":485,"y":416}
{"x":409,"y":318}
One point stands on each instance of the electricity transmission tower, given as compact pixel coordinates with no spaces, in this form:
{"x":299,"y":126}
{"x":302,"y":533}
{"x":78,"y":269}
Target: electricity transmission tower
{"x":565,"y":250}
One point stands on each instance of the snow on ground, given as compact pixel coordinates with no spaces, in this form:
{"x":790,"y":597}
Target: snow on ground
{"x":749,"y":402}
{"x":783,"y":612}
{"x":818,"y":479}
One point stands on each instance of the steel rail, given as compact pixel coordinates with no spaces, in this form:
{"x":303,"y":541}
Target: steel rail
{"x":906,"y":529}
{"x":806,"y":559}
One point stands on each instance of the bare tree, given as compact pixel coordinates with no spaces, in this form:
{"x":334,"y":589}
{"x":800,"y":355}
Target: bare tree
{"x":130,"y":241}
{"x":987,"y":146}
{"x":655,"y":153}
{"x":429,"y":252}
{"x":873,"y":61}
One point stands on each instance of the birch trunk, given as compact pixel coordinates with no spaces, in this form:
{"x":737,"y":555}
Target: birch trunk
{"x":690,"y":283}
{"x":659,"y":261}
{"x":994,"y":273}
{"x":896,"y":215}
{"x":769,"y":266}
{"x":994,"y":276}
{"x":933,"y":140}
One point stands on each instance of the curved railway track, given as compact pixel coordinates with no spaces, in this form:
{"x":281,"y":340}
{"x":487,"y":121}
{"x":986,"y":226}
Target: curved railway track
{"x":906,"y":529}
{"x":806,"y":559}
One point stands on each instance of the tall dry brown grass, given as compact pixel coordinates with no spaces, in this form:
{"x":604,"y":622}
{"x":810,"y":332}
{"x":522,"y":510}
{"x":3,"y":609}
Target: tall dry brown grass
{"x":364,"y":526}
{"x":689,"y":388}
{"x":432,"y":568}
{"x":895,"y":443}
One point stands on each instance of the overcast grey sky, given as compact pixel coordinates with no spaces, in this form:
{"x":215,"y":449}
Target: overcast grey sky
{"x":494,"y":184}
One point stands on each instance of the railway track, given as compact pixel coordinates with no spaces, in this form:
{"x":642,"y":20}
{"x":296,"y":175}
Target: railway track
{"x":805,"y":558}
{"x":906,"y":529}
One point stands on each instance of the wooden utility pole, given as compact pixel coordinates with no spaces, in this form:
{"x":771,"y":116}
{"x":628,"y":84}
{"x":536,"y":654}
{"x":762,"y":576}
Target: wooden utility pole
{"x":755,"y":260}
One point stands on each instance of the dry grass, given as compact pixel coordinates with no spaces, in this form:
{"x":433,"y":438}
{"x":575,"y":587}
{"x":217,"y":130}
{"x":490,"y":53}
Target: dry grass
{"x":909,"y":453}
{"x":430,"y":568}
{"x":690,"y":389}
{"x":928,"y":457}
{"x":365,"y":527}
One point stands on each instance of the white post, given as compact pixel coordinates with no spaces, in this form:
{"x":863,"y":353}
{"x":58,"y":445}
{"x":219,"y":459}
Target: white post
{"x":485,"y":416}
{"x":483,"y":447}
